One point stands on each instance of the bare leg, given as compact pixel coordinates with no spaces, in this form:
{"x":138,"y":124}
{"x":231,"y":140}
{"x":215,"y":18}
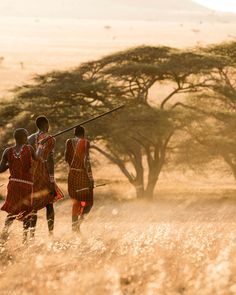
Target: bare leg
{"x":80,"y":221}
{"x":26,"y":226}
{"x":75,"y":215}
{"x":33,"y":222}
{"x":50,"y":217}
{"x":79,"y":210}
{"x":8,"y":222}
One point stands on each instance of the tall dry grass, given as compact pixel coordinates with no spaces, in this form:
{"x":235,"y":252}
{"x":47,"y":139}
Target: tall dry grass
{"x":170,"y":246}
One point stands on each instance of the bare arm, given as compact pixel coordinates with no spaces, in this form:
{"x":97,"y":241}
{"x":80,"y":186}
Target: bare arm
{"x":50,"y":164}
{"x":3,"y":163}
{"x":50,"y":142}
{"x":67,"y":151}
{"x":32,"y":140}
{"x":50,"y":167}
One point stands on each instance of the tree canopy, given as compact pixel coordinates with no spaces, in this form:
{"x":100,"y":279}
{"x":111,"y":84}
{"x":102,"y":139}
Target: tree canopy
{"x":143,"y":137}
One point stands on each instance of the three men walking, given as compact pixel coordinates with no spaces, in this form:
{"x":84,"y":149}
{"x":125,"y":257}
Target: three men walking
{"x":32,"y":185}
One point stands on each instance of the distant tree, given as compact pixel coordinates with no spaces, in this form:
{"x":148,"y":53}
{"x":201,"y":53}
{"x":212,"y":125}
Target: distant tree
{"x":139,"y":139}
{"x":211,"y":134}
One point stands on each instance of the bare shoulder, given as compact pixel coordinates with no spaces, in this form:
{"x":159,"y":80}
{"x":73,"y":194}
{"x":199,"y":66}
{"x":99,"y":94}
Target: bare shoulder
{"x":32,"y":138}
{"x":6,"y":151}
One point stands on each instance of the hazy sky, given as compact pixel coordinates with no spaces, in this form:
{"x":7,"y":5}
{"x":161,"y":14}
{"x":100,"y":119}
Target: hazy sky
{"x":92,"y":9}
{"x":110,"y":9}
{"x":222,"y":5}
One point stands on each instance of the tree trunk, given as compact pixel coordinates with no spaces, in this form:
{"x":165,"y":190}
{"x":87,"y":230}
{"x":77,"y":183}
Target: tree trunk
{"x":139,"y":191}
{"x":230,"y":161}
{"x":233,"y":169}
{"x":138,"y":183}
{"x":152,"y":181}
{"x":149,"y":192}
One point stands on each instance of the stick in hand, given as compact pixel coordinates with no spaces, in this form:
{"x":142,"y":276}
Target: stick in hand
{"x":88,"y":188}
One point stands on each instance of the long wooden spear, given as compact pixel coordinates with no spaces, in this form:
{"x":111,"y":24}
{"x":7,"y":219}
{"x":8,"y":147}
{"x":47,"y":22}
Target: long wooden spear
{"x":88,"y":121}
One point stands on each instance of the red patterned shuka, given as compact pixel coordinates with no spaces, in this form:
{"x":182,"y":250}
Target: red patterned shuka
{"x":77,"y":152}
{"x":41,"y":188}
{"x":20,"y":186}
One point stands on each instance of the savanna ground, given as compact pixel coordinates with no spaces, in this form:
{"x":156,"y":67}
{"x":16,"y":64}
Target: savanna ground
{"x":183,"y":242}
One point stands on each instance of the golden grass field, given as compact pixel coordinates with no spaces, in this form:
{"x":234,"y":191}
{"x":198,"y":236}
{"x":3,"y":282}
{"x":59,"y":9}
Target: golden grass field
{"x":183,"y":242}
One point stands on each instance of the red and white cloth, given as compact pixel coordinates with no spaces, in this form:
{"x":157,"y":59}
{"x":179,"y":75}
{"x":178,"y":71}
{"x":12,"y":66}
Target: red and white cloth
{"x":20,"y":186}
{"x":79,"y":176}
{"x":41,"y":189}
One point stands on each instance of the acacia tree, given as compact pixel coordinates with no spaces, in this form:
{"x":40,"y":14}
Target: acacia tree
{"x":65,"y":97}
{"x":137,"y":71}
{"x":143,"y":131}
{"x":214,"y":111}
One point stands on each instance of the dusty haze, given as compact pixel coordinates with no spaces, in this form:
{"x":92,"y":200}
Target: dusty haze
{"x":182,"y":243}
{"x":39,"y":36}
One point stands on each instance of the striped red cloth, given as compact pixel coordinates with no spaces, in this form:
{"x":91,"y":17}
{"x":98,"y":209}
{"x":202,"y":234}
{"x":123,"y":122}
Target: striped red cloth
{"x":41,"y":188}
{"x":20,"y":186}
{"x":78,"y":176}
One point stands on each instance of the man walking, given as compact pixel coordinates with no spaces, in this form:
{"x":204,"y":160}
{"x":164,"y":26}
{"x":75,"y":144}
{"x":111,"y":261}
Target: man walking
{"x":45,"y":189}
{"x":80,"y":176}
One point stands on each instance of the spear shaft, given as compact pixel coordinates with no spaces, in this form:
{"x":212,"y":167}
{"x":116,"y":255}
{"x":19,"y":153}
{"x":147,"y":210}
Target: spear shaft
{"x":88,"y":121}
{"x":87,"y":188}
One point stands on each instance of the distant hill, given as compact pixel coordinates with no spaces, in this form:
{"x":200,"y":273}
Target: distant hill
{"x":170,"y":10}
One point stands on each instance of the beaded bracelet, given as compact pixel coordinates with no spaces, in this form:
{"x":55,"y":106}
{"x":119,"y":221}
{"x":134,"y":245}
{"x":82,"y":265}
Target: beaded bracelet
{"x":51,"y":177}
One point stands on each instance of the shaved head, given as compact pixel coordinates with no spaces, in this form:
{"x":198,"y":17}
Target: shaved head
{"x":20,"y":135}
{"x":79,"y":131}
{"x":42,"y":123}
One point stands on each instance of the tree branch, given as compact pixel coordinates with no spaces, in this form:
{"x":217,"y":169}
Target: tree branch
{"x":169,"y":97}
{"x":116,"y":161}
